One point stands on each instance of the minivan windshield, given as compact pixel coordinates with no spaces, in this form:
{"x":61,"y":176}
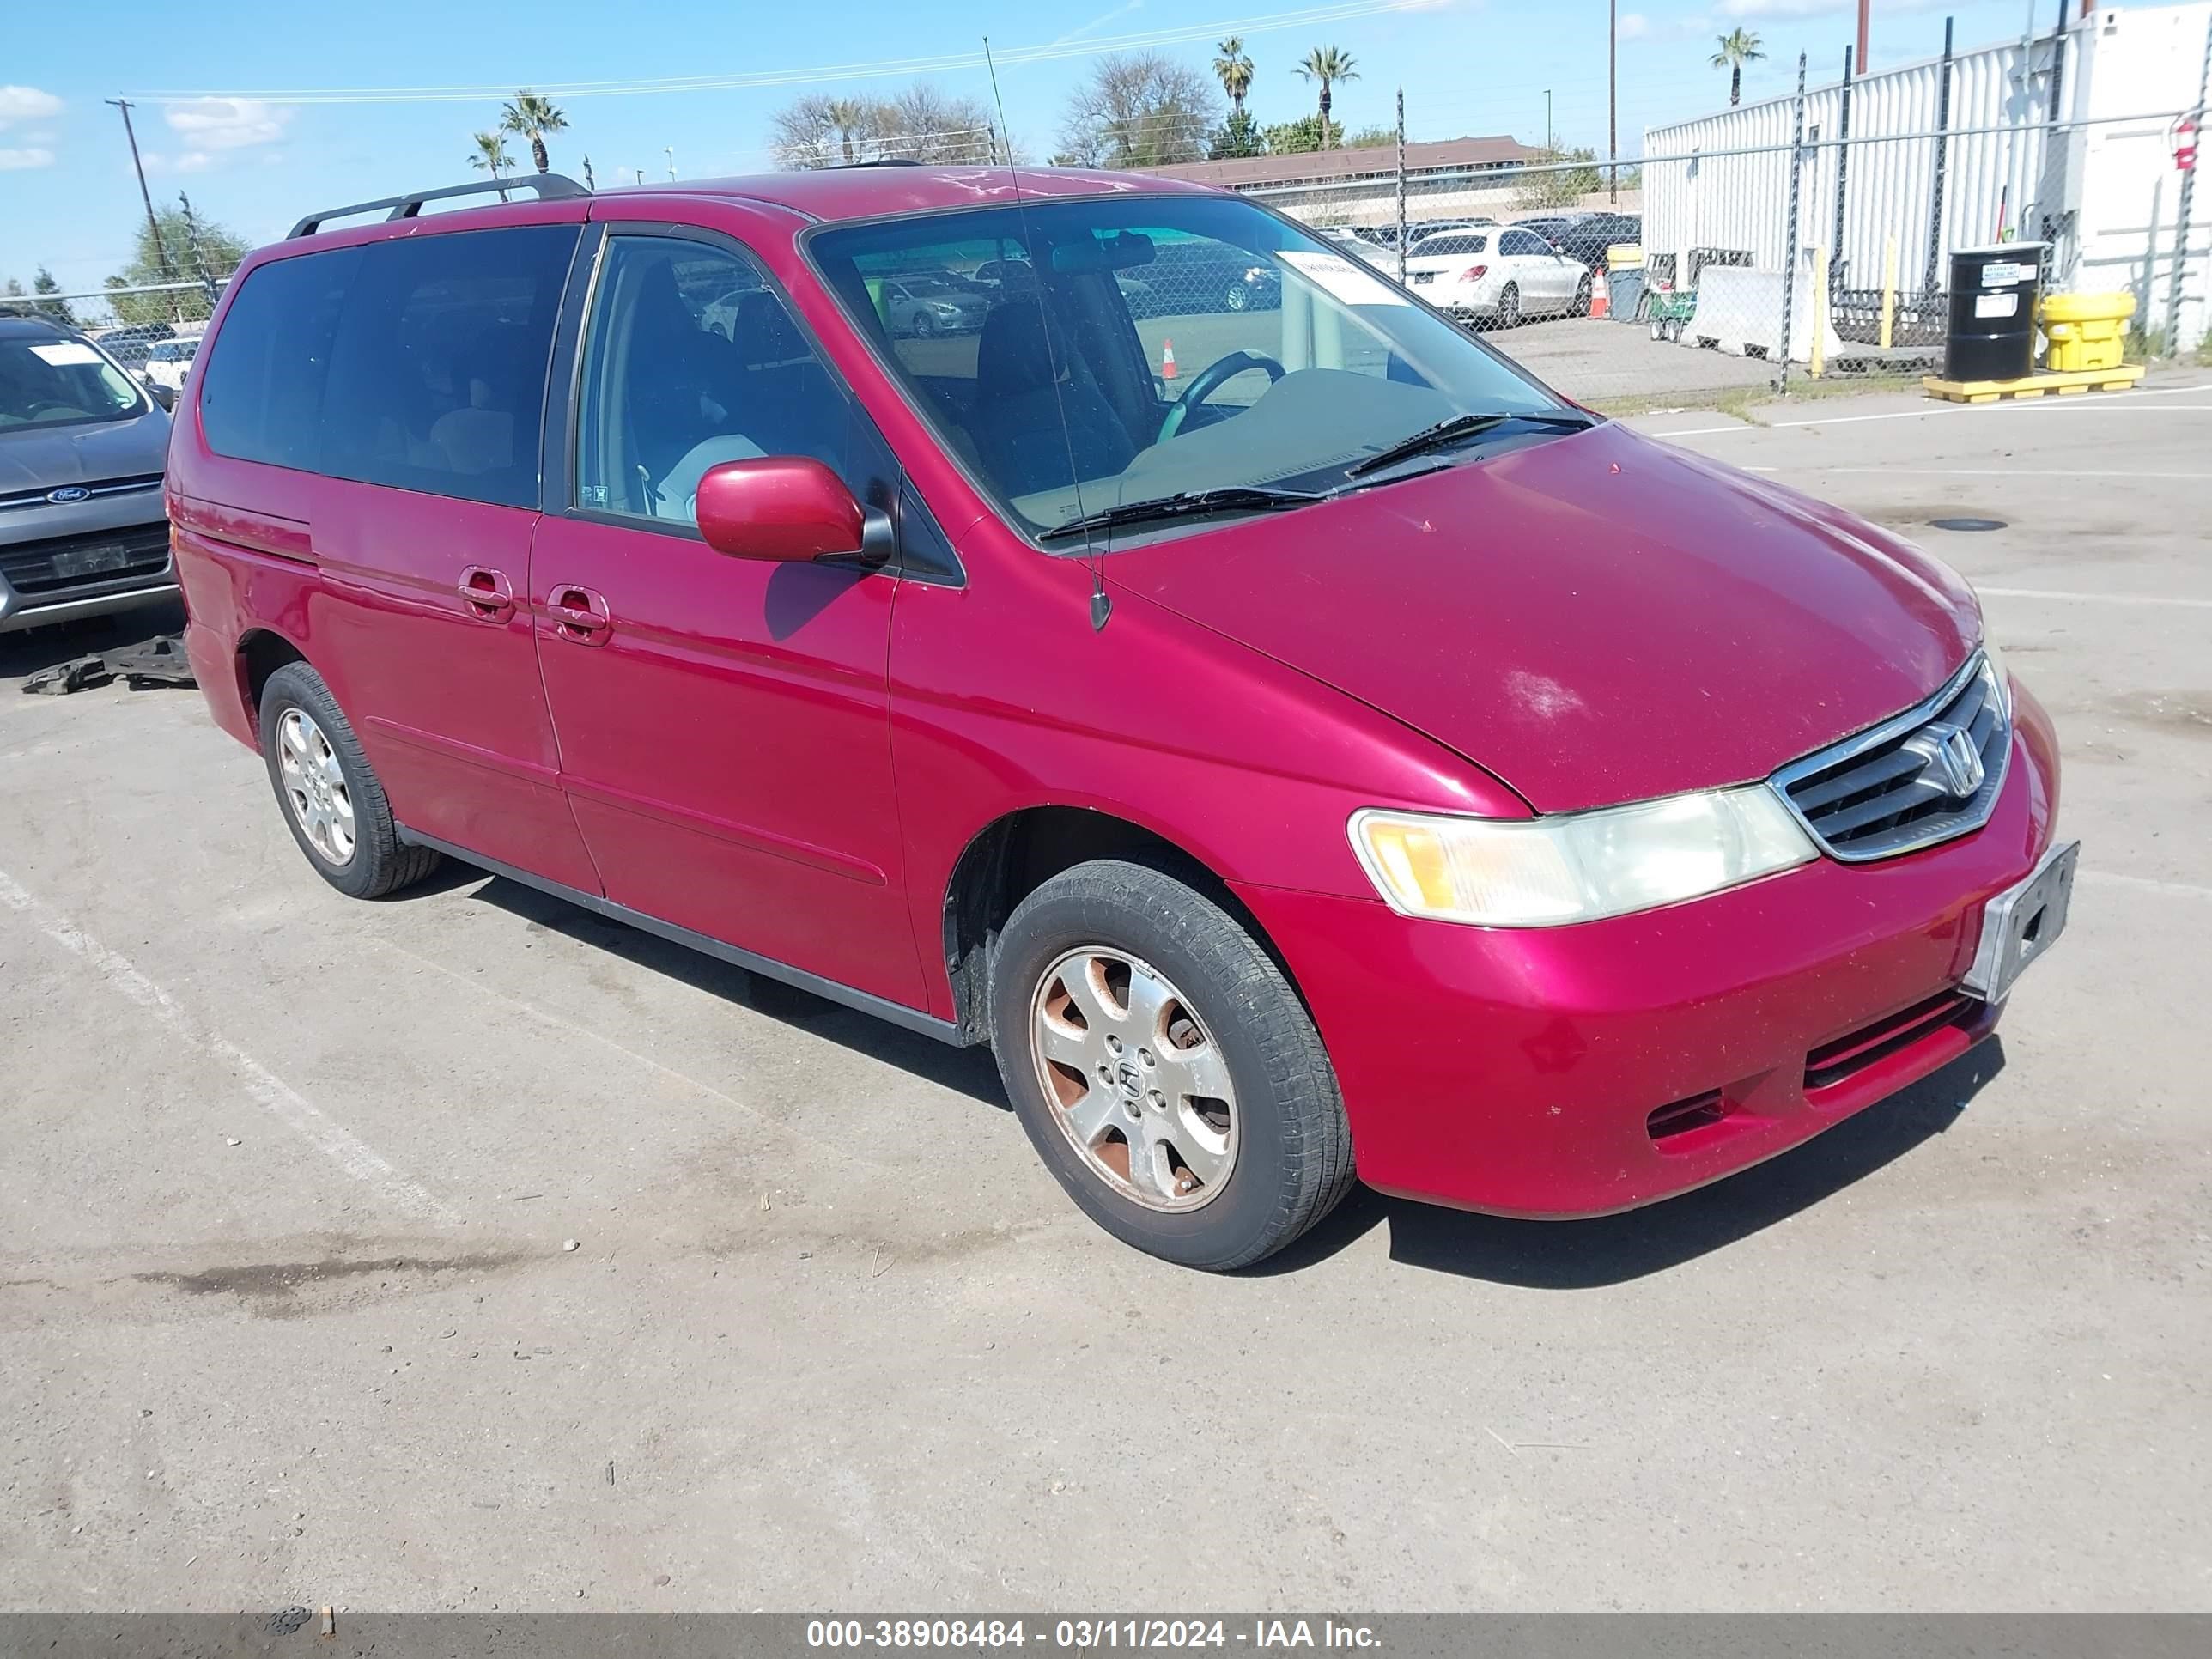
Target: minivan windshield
{"x":61,"y":382}
{"x":1142,"y":350}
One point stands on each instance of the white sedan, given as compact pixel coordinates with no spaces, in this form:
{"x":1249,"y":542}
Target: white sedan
{"x":1498,"y":276}
{"x":167,"y":362}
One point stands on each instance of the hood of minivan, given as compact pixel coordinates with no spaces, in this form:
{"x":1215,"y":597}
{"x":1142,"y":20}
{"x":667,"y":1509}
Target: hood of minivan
{"x":1594,"y":619}
{"x":47,"y":458}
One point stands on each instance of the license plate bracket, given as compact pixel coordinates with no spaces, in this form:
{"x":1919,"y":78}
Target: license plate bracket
{"x":95,"y":560}
{"x":2020,"y":924}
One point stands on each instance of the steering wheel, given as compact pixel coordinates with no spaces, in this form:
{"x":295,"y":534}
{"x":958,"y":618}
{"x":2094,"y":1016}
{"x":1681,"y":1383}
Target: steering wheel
{"x":1210,"y":379}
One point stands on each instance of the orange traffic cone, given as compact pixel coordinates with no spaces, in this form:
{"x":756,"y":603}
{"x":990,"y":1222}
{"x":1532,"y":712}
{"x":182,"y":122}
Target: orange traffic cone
{"x":1601,"y":294}
{"x":1167,"y":360}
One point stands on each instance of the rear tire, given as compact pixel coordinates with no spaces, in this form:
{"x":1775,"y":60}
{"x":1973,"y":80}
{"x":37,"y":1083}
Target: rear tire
{"x":1509,"y":306}
{"x":327,"y":792}
{"x":1582,"y":296}
{"x":1203,"y":1012}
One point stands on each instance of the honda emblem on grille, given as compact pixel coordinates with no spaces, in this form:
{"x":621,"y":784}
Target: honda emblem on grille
{"x":1948,"y":756}
{"x":67,"y":494}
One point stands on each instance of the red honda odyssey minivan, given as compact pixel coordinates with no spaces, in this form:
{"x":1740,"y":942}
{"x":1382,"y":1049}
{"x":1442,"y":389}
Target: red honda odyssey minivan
{"x":1337,"y":756}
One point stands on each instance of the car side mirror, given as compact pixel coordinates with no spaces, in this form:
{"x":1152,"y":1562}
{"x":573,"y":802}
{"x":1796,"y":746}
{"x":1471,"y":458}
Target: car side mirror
{"x":790,"y":508}
{"x":164,"y":395}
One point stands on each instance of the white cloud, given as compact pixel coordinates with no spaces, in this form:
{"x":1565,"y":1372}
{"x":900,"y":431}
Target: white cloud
{"x":27,"y":103}
{"x":1633,"y":26}
{"x":208,"y":124}
{"x":191,"y":161}
{"x":18,"y":160}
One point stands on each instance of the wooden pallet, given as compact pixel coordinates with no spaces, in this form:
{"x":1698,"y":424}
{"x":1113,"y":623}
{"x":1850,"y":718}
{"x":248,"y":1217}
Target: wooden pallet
{"x":2062,"y":385}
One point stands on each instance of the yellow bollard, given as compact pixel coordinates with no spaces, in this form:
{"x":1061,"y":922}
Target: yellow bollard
{"x":1888,"y":287}
{"x":1820,"y":309}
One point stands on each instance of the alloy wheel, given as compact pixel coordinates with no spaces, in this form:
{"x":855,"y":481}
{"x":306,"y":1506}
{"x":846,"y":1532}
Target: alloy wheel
{"x":315,"y":786}
{"x":1133,"y":1078}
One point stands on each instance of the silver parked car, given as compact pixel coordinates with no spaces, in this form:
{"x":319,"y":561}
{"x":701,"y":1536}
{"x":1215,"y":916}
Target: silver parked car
{"x":922,"y":306}
{"x":82,"y":449}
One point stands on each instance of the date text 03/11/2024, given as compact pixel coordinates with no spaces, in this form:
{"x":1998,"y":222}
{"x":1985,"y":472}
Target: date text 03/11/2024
{"x":1086,"y":1635}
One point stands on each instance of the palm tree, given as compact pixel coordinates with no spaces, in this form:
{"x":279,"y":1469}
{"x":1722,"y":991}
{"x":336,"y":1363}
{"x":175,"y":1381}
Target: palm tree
{"x":1737,"y":47}
{"x":490,"y":156}
{"x":533,"y":116}
{"x":1234,"y":71}
{"x":851,"y":119}
{"x":1327,"y":64}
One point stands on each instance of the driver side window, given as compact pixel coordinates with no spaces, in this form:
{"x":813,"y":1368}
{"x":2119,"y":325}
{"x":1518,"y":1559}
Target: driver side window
{"x":690,"y":361}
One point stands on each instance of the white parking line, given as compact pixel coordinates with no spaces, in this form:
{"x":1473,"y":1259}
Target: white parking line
{"x":2090,"y":400}
{"x":571,"y":1029}
{"x":2107,"y":877}
{"x":2091,"y":598}
{"x":2023,"y":470}
{"x":310,"y":1123}
{"x":560,"y":1023}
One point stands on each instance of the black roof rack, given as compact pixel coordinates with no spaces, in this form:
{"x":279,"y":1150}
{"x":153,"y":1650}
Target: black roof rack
{"x":886,"y":161}
{"x":549,"y":186}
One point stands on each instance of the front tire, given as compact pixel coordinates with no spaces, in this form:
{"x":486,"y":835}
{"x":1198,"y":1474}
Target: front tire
{"x":1164,"y":1069}
{"x":1582,"y":290}
{"x":923,"y":327}
{"x":1238,"y":298}
{"x":327,"y":792}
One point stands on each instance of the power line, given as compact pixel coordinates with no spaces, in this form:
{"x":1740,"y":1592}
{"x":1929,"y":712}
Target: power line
{"x":873,"y":69}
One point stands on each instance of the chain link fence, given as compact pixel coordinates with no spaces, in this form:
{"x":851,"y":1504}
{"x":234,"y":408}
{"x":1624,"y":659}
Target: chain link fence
{"x":152,"y":330}
{"x":1775,"y":249}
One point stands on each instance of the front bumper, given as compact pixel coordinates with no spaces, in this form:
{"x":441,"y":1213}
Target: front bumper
{"x":34,"y":592}
{"x":1582,"y":1070}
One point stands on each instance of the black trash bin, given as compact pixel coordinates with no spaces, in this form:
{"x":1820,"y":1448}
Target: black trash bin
{"x":1993,"y":295}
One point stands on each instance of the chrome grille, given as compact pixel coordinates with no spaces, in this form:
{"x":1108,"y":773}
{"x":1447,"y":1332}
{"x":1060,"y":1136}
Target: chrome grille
{"x":1932,"y":773}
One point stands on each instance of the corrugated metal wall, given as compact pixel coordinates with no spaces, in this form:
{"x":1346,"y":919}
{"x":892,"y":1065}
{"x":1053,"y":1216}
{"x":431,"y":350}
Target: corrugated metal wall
{"x":1701,"y":190}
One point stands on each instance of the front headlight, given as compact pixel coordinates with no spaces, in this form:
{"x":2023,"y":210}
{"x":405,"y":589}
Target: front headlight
{"x":1541,"y":872}
{"x":1998,"y":678}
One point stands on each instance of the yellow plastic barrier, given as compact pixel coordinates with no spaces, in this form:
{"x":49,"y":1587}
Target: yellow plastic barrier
{"x":2086,"y":330}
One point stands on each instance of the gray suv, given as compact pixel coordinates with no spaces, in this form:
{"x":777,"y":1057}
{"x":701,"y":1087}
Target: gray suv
{"x":82,"y":449}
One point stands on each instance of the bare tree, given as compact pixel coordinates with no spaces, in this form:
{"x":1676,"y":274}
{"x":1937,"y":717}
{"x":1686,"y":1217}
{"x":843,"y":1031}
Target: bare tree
{"x":924,"y":125}
{"x":802,"y":134}
{"x":1139,"y":109}
{"x":919,"y":124}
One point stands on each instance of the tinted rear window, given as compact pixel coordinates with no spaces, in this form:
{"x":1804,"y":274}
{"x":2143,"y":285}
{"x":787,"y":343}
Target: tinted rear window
{"x":420,"y":363}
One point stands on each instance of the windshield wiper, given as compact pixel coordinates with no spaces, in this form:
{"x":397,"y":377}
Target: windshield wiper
{"x":1230,"y":498}
{"x":1459,"y":426}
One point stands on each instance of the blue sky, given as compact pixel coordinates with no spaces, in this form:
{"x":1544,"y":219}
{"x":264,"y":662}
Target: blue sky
{"x":254,"y":158}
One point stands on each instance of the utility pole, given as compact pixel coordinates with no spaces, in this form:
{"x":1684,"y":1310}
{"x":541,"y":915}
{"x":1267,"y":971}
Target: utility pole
{"x":1547,"y":121}
{"x":1401,"y":185}
{"x":1862,"y":37}
{"x":1613,"y":101}
{"x":153,"y":224}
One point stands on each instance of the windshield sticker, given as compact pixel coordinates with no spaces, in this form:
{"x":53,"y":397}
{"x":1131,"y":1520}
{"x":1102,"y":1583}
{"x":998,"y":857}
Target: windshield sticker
{"x":1342,"y":279}
{"x":65,"y":353}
